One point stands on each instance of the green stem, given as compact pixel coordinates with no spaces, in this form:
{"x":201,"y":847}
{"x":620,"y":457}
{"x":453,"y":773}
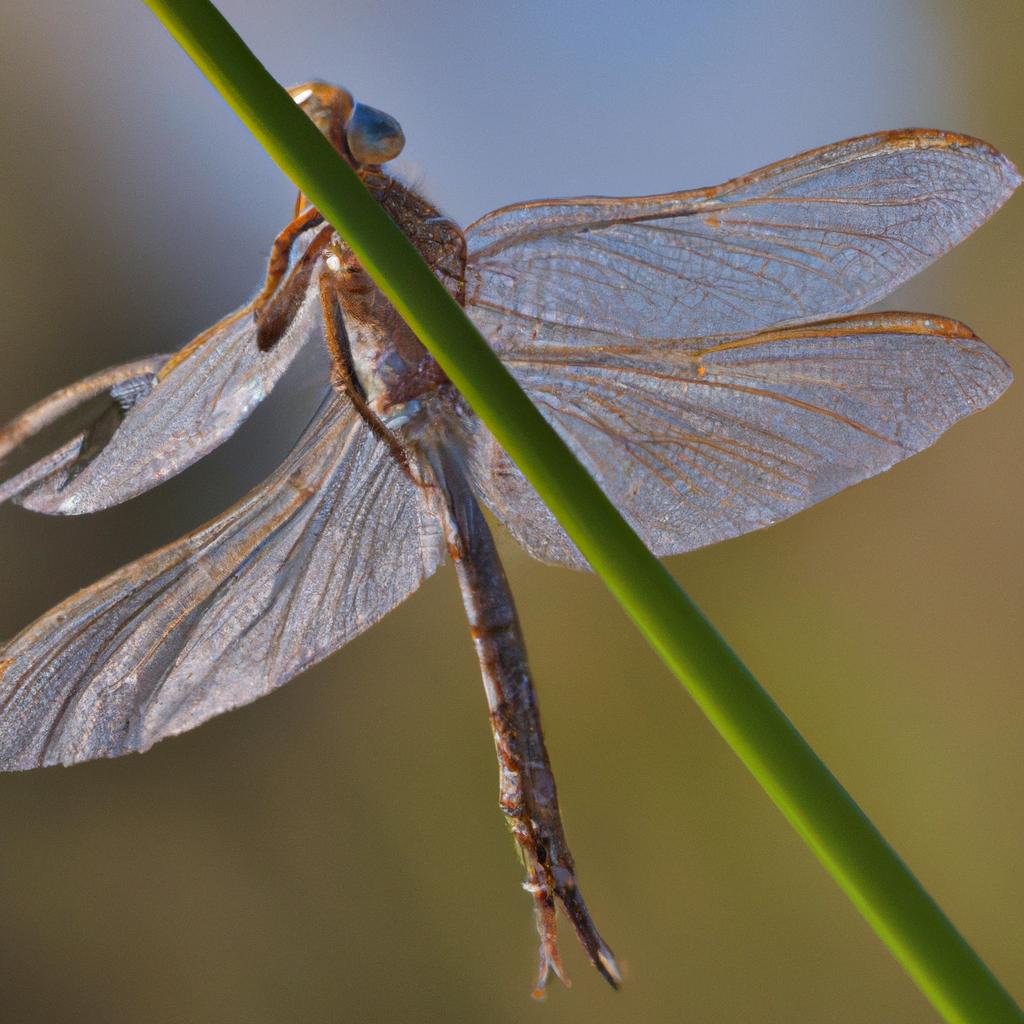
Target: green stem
{"x":910,"y":923}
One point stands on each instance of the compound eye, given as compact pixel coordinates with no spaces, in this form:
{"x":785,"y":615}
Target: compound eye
{"x":373,"y":137}
{"x":328,"y":106}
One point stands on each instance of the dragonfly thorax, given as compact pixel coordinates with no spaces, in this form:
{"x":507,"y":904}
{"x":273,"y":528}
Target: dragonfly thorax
{"x":391,"y":368}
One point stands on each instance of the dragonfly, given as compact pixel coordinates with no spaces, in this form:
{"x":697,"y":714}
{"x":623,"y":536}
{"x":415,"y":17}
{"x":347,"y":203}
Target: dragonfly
{"x":703,"y":353}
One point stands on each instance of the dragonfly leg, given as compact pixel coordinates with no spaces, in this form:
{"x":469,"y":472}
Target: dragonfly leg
{"x":276,"y":314}
{"x":267,"y":337}
{"x":280,"y":253}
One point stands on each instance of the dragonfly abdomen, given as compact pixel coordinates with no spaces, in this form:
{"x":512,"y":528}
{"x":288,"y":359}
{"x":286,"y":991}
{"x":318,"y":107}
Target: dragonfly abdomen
{"x":527,"y":794}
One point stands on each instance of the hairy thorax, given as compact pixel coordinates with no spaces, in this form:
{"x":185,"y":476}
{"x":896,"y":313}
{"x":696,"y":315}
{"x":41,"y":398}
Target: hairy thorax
{"x":396,"y":375}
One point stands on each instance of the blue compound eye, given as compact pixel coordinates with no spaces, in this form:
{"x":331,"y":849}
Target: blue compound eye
{"x":373,"y":137}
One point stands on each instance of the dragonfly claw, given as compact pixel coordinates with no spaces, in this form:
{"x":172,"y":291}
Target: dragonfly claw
{"x":595,"y":947}
{"x":547,"y":929}
{"x":549,"y":883}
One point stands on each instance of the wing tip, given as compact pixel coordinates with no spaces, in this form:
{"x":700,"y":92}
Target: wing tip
{"x":937,"y":138}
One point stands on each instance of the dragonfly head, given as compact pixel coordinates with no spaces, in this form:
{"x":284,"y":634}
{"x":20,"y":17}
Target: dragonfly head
{"x":363,"y":135}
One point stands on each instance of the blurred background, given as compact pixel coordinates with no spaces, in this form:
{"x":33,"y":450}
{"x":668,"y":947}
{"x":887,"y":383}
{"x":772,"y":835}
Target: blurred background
{"x":334,"y":851}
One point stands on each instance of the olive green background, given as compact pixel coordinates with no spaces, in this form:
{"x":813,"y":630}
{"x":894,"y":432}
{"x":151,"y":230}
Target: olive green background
{"x":334,"y":852}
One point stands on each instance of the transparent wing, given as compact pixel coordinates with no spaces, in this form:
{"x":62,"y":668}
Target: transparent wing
{"x":820,"y":235}
{"x":332,"y":541}
{"x":697,"y":442}
{"x":197,"y":399}
{"x":122,"y":385}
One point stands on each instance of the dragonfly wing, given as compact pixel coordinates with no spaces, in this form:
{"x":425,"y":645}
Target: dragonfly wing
{"x":512,"y":499}
{"x":122,"y":386}
{"x":696,"y":442}
{"x":820,"y":235}
{"x":193,"y":403}
{"x":332,"y":541}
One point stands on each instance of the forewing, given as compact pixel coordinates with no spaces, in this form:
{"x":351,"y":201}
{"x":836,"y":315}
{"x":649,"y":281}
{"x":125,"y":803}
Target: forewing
{"x":820,"y":235}
{"x":697,"y":443}
{"x":121,"y":386}
{"x":336,"y":538}
{"x":195,"y":402}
